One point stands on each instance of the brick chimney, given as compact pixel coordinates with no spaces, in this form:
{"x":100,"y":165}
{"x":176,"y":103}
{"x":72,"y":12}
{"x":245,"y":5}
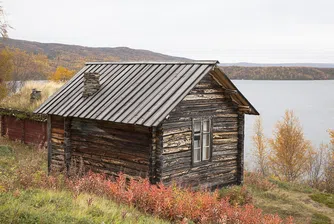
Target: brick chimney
{"x":91,"y":84}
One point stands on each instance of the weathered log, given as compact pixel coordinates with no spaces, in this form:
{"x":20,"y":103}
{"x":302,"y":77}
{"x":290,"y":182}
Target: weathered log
{"x":49,"y":128}
{"x":67,"y":144}
{"x":205,"y":100}
{"x":241,"y":134}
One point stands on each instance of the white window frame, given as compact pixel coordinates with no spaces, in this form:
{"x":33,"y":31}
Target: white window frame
{"x":201,"y":133}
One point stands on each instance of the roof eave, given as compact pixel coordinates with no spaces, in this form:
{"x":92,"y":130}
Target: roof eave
{"x":222,"y":78}
{"x":204,"y":62}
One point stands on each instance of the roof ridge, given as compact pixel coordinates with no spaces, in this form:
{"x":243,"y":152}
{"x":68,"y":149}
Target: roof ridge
{"x":206,"y":62}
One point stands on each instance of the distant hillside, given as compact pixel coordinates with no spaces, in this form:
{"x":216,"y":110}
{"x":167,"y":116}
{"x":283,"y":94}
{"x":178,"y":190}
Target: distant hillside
{"x":279,"y":73}
{"x":34,"y":60}
{"x":74,"y":57}
{"x":246,"y":64}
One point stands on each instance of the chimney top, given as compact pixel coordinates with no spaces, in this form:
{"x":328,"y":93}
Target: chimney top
{"x":91,"y":83}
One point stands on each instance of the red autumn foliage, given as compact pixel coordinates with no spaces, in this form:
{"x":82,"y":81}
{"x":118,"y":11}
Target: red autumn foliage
{"x":169,"y":202}
{"x":172,"y":202}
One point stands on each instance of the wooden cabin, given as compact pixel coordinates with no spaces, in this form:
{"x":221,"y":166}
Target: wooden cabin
{"x":179,"y":122}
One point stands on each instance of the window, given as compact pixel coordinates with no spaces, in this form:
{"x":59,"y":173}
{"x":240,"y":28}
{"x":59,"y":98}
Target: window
{"x":201,"y":140}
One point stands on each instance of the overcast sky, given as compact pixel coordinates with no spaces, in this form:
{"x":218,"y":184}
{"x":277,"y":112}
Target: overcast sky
{"x":261,"y":31}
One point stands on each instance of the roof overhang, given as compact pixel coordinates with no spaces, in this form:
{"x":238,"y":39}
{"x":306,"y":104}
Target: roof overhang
{"x":154,"y":87}
{"x":230,"y":89}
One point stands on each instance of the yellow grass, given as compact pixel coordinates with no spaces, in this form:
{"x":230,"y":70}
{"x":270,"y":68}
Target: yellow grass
{"x":21,"y":99}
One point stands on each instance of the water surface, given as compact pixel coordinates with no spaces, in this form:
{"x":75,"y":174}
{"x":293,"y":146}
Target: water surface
{"x":312,"y":102}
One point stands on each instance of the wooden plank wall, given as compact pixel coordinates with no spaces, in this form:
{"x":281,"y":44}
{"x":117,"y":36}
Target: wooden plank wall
{"x":25,"y":130}
{"x":207,"y":99}
{"x":109,"y":147}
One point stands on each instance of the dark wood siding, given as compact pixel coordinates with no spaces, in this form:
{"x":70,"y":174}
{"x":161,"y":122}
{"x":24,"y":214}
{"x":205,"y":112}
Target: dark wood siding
{"x":109,"y":147}
{"x":57,"y":143}
{"x":207,"y":99}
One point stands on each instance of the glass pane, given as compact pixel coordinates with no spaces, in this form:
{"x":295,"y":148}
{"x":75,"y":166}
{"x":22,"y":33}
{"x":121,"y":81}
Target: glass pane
{"x":197,"y":155}
{"x":206,"y":126}
{"x":197,"y":141}
{"x":206,"y":140}
{"x":206,"y":153}
{"x":197,"y":126}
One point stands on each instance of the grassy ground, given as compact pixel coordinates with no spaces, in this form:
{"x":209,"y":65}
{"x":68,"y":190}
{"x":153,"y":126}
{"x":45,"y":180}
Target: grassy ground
{"x":305,"y":204}
{"x":45,"y":206}
{"x":19,"y":205}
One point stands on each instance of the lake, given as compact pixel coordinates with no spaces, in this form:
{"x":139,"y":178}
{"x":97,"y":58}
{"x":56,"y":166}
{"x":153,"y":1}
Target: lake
{"x":312,"y":102}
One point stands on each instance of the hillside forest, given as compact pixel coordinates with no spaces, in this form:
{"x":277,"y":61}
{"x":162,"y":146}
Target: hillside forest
{"x":39,"y":61}
{"x":279,"y":73}
{"x":26,"y":60}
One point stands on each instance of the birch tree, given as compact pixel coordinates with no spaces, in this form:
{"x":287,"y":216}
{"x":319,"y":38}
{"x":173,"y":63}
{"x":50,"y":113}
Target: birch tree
{"x":290,"y":150}
{"x":260,"y":144}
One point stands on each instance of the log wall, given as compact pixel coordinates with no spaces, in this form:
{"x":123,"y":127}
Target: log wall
{"x":101,"y":147}
{"x":57,"y":143}
{"x":207,"y":99}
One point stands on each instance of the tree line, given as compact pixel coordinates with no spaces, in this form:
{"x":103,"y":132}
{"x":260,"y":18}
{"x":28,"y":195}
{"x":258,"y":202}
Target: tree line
{"x":288,"y":156}
{"x":19,"y":65}
{"x":279,"y":73}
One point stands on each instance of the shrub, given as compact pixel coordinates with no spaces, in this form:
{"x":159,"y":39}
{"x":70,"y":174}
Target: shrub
{"x":169,"y":202}
{"x":175,"y":203}
{"x":236,"y":195}
{"x":89,"y":183}
{"x":258,"y":181}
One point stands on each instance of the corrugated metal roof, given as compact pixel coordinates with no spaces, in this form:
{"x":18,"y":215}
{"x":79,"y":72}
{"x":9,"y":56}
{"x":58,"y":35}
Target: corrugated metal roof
{"x":141,"y":93}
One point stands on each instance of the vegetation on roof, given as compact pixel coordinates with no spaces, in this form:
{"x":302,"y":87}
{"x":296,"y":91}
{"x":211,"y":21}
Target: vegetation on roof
{"x":21,"y":99}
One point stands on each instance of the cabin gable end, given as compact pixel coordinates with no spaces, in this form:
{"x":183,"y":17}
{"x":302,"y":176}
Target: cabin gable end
{"x":206,"y":121}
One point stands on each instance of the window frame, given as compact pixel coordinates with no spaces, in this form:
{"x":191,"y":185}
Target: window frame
{"x":202,"y":133}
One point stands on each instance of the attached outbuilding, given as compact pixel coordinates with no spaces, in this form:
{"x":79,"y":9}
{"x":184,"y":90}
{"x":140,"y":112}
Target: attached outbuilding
{"x":179,"y":122}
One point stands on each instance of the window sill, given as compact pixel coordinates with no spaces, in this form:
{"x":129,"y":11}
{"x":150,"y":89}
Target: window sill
{"x":201,"y":163}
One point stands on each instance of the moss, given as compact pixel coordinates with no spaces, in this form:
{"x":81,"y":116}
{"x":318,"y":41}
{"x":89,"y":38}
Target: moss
{"x":20,"y":114}
{"x":320,"y":219}
{"x":323,"y":198}
{"x":6,"y":150}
